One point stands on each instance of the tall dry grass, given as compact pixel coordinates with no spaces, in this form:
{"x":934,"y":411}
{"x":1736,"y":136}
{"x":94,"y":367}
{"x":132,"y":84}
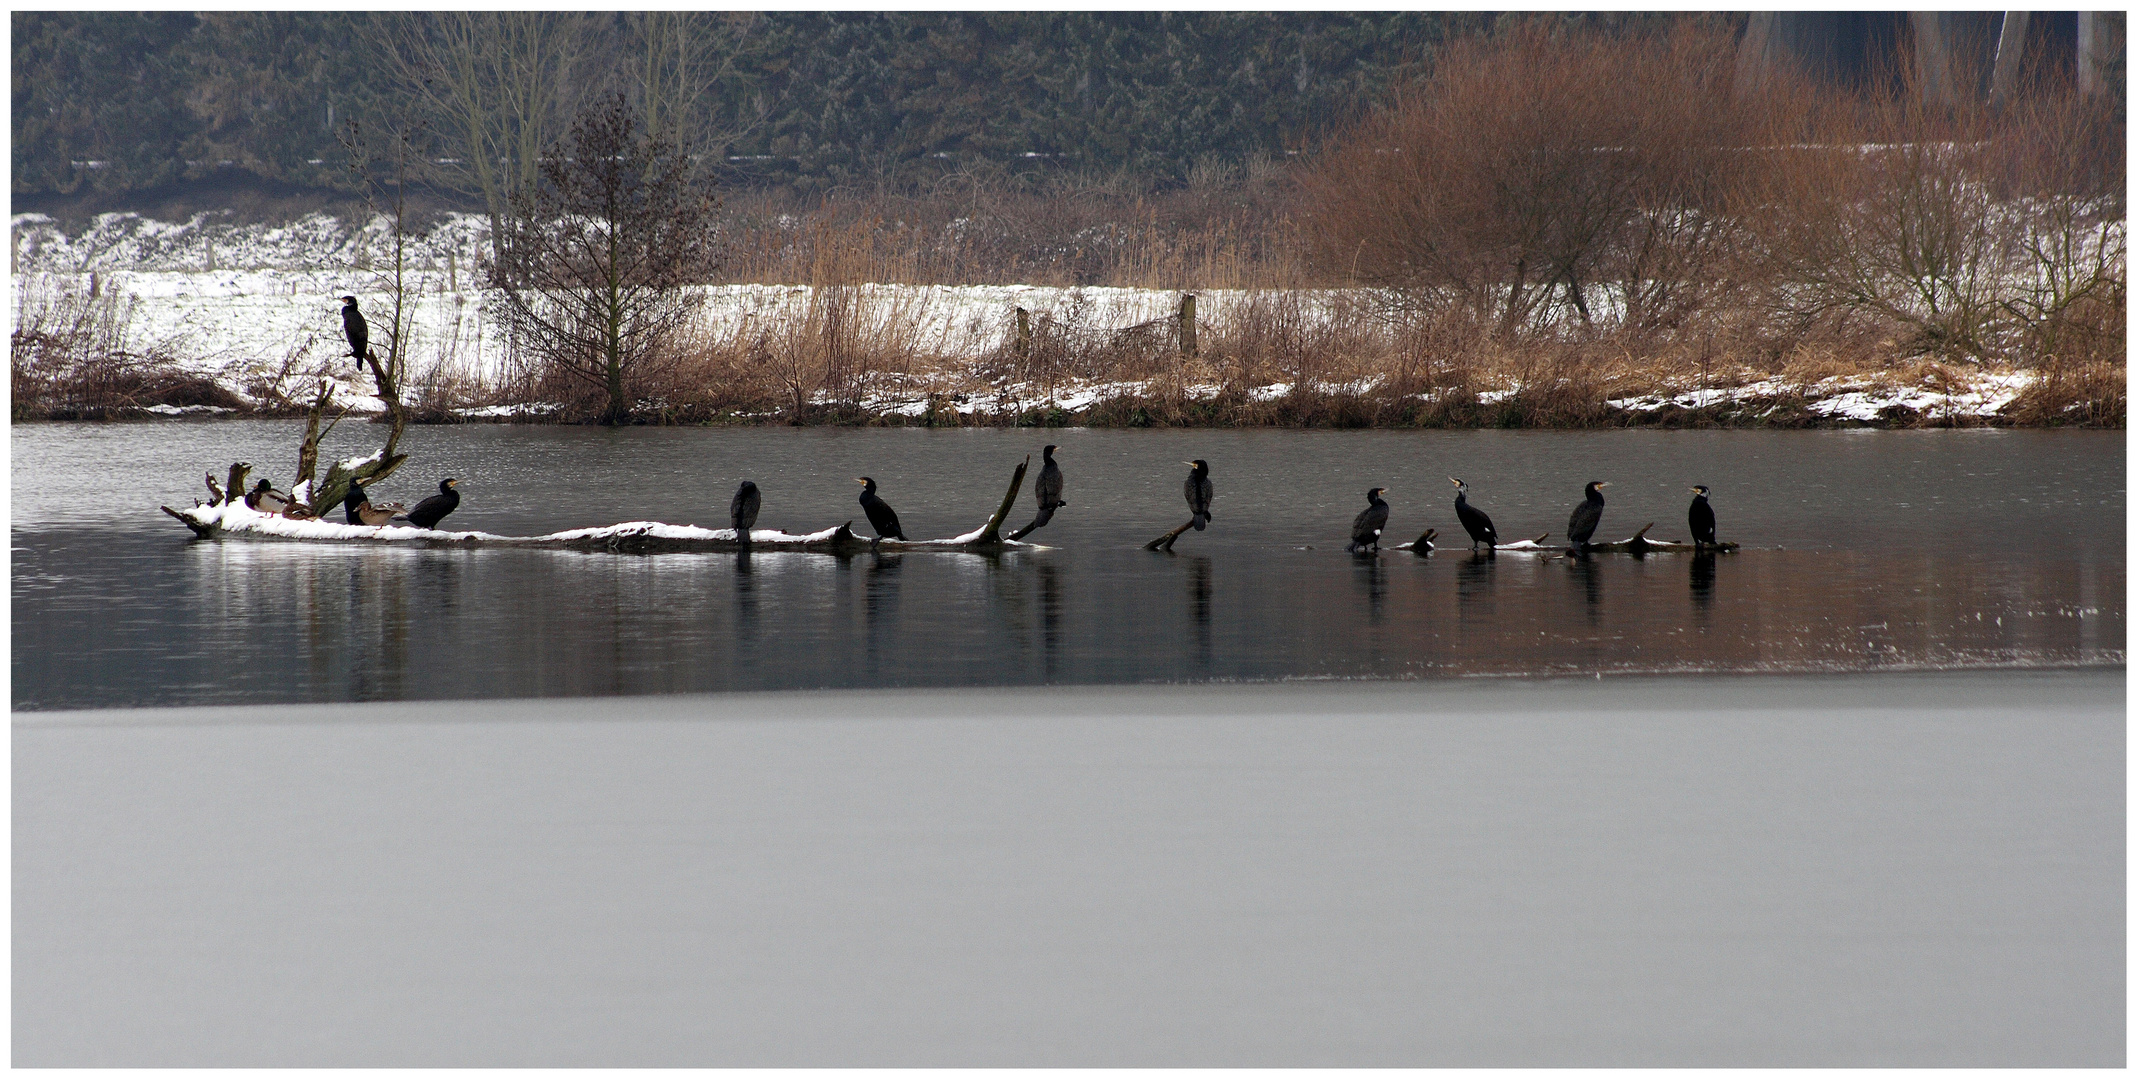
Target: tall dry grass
{"x":74,"y":355}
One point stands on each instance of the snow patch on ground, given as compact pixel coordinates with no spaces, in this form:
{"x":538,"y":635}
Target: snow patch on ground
{"x":1856,"y":397}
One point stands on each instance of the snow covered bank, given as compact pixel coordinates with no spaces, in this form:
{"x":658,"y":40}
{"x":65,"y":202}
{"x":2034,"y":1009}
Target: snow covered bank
{"x":254,"y":309}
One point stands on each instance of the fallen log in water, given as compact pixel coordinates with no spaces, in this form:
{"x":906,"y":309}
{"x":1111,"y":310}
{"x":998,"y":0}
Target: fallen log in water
{"x":1639,"y":544}
{"x":1422,"y":546}
{"x":233,"y":519}
{"x":1165,"y":543}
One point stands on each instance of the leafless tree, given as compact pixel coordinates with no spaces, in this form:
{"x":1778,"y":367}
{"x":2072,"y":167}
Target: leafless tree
{"x":601,"y":255}
{"x":673,"y":62}
{"x":499,"y":85}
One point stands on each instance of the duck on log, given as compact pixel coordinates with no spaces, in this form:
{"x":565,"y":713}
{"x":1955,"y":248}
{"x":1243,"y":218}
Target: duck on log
{"x":232,"y":518}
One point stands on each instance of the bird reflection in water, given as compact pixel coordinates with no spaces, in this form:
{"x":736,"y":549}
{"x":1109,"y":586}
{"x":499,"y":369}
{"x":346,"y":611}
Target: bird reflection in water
{"x":1589,"y":572}
{"x":745,"y":601}
{"x":1473,"y":585}
{"x":1199,"y":589}
{"x":378,"y":599}
{"x":880,"y":608}
{"x":1375,"y":575}
{"x":1050,"y":618}
{"x":1703,"y":583}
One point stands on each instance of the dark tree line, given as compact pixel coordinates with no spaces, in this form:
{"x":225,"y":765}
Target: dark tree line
{"x":120,"y":101}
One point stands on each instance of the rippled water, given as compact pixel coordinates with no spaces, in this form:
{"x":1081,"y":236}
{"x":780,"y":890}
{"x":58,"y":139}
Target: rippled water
{"x":1863,"y":550}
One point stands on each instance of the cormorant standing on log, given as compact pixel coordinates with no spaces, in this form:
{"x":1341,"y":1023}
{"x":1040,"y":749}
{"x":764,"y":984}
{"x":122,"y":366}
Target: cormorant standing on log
{"x":1366,"y":528}
{"x":356,"y":330}
{"x":881,"y":517}
{"x":430,"y":511}
{"x":1199,"y":492}
{"x":1581,"y":524}
{"x":742,"y":510}
{"x":1702,"y":518}
{"x":1474,"y":521}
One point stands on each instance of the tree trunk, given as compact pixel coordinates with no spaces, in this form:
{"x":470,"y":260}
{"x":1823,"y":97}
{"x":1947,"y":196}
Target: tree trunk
{"x":2011,"y":42}
{"x":1509,"y":317}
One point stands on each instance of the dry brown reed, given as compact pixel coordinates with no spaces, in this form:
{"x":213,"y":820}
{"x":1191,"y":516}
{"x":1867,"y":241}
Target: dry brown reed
{"x":1554,"y":218}
{"x":72,"y":356}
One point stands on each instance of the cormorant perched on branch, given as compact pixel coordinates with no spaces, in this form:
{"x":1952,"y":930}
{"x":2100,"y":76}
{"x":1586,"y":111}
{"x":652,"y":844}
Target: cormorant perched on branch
{"x":1701,"y":517}
{"x":356,"y":330}
{"x":742,"y":510}
{"x":1366,"y":528}
{"x":430,"y":511}
{"x":1474,"y":521}
{"x":1199,"y":492}
{"x":1582,"y":523}
{"x":1048,"y":488}
{"x":881,"y":517}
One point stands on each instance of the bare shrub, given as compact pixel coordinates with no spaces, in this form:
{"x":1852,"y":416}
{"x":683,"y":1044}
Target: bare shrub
{"x":73,"y":356}
{"x":1530,"y":166}
{"x":597,"y":267}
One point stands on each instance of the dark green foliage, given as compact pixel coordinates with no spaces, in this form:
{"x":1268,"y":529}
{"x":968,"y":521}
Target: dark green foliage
{"x":99,"y":99}
{"x":823,"y":99}
{"x":861,"y":96}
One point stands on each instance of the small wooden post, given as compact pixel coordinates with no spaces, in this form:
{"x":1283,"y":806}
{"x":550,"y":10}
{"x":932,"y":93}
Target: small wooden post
{"x":1187,"y":324}
{"x":452,"y":270}
{"x":1024,"y":336}
{"x":211,"y":254}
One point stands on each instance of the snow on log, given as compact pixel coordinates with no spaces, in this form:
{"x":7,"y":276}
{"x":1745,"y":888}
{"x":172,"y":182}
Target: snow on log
{"x":234,"y":519}
{"x":1639,"y":544}
{"x":1422,"y":546}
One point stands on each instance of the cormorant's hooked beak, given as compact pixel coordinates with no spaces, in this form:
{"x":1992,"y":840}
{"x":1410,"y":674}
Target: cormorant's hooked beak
{"x":1454,"y":481}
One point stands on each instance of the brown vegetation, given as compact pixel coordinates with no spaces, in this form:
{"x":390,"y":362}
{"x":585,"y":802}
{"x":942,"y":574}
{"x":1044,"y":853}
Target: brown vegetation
{"x":71,"y":358}
{"x":1554,"y":218}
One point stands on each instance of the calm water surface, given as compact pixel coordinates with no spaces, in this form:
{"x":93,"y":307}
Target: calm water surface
{"x":1863,"y":550}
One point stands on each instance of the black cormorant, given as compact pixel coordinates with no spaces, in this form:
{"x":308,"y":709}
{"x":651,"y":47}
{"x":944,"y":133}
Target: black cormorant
{"x":1049,"y":488}
{"x":742,"y":510}
{"x":1581,"y":524}
{"x":1474,"y":521}
{"x":1702,"y":518}
{"x":427,"y":513}
{"x":1199,"y":492}
{"x":354,"y":328}
{"x":881,"y":517}
{"x":1366,"y":528}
